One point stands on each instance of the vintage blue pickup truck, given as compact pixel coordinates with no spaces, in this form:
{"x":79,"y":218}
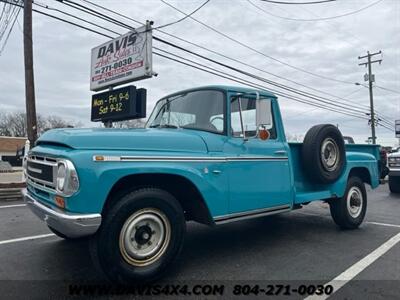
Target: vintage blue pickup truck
{"x":212,"y":155}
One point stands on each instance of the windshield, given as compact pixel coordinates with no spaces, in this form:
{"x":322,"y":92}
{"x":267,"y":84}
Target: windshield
{"x":201,"y":110}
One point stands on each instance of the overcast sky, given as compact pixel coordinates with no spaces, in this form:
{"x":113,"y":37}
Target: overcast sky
{"x":329,"y":48}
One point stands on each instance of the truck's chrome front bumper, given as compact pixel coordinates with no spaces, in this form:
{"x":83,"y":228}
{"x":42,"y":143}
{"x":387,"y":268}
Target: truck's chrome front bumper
{"x":71,"y":225}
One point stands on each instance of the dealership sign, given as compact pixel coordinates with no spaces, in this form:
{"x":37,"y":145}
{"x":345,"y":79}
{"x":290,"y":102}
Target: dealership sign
{"x":125,"y":103}
{"x":397,"y":128}
{"x":121,"y":60}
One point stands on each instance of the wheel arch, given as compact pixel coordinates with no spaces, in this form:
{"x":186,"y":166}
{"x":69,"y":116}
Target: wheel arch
{"x":182,"y":188}
{"x":362,"y":173}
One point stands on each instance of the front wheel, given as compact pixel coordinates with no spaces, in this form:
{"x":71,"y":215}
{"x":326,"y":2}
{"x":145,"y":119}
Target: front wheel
{"x":140,"y":236}
{"x":349,"y":211}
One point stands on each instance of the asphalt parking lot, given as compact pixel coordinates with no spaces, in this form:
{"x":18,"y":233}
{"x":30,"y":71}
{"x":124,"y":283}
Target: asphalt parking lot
{"x":294,"y":248}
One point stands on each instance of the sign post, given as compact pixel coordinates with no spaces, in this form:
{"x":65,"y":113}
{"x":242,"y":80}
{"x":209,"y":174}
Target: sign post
{"x":397,"y":128}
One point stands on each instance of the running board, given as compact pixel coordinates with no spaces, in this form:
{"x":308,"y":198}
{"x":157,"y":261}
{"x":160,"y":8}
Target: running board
{"x":251,"y":214}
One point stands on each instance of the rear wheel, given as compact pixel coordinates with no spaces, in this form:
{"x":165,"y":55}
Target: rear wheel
{"x":349,"y":211}
{"x":140,"y":236}
{"x":394,"y":184}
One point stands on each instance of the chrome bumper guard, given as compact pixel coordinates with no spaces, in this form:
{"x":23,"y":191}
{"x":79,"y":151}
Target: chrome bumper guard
{"x":71,"y":225}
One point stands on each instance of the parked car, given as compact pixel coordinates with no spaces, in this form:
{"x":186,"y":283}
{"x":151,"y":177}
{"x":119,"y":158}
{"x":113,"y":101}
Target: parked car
{"x":213,"y":155}
{"x":394,"y":172}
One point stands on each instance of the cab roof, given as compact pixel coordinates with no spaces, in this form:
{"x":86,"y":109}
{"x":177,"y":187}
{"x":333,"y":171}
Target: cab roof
{"x":227,"y":88}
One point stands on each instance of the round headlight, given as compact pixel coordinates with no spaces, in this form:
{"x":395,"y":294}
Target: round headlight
{"x":61,"y":174}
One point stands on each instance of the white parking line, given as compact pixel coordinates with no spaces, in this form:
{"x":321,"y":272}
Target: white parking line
{"x":384,"y":224}
{"x":10,"y":206}
{"x":343,"y":278}
{"x":28,"y":238}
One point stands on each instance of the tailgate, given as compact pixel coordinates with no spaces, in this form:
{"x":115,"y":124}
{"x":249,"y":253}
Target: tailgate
{"x":371,"y":149}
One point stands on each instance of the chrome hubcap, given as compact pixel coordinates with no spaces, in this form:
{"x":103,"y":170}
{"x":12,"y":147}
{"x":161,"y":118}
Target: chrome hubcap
{"x":354,"y":201}
{"x":330,"y":154}
{"x":144,"y":237}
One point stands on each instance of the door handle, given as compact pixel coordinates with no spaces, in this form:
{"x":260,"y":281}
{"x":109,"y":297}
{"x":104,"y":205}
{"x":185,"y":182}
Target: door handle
{"x":280,"y":152}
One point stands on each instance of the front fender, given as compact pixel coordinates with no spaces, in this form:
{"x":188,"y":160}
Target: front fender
{"x":98,"y":178}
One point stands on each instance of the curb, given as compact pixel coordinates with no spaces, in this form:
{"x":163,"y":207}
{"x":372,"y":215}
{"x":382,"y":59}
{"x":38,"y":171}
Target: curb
{"x":8,"y":195}
{"x":11,"y":191}
{"x":12,"y":185}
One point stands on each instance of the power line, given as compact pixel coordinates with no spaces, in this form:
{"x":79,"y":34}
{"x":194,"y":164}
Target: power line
{"x":13,"y":19}
{"x":73,"y":16}
{"x":2,"y":11}
{"x":315,"y":19}
{"x":219,"y":53}
{"x":248,"y":74}
{"x":213,"y":51}
{"x":62,"y":20}
{"x":298,"y":3}
{"x":258,"y":86}
{"x":255,"y":50}
{"x":134,"y":21}
{"x":93,"y":12}
{"x":257,"y":77}
{"x":8,"y":15}
{"x":280,"y":93}
{"x":386,"y":89}
{"x":223,"y":34}
{"x":185,"y":17}
{"x":123,"y":24}
{"x":287,"y":96}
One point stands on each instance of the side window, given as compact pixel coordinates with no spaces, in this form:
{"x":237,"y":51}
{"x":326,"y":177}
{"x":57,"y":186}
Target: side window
{"x":248,"y":106}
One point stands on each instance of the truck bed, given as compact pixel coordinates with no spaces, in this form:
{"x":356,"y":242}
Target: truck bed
{"x":307,"y":190}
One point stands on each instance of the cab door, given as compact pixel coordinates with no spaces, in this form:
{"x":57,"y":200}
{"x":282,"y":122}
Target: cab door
{"x":258,"y":169}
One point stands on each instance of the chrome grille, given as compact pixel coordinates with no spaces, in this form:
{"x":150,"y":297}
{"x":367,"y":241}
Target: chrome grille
{"x":42,"y":172}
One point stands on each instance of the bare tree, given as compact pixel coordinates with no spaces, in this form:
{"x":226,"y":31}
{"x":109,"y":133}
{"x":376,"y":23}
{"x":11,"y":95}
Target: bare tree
{"x":4,"y":125}
{"x":14,"y":124}
{"x":137,"y":123}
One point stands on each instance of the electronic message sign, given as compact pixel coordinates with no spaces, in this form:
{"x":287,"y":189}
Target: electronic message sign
{"x":120,"y":104}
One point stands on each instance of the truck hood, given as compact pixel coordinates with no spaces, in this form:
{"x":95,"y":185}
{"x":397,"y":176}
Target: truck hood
{"x":126,"y":139}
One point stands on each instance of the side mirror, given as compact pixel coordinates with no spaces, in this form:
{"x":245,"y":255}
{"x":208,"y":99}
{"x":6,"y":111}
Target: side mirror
{"x":263,"y":113}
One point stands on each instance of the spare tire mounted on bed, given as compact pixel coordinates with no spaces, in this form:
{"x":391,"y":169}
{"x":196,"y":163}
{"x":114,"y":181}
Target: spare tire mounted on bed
{"x":323,"y":154}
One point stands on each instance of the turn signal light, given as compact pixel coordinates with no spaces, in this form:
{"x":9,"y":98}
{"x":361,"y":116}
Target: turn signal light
{"x":60,"y":201}
{"x":264,"y":134}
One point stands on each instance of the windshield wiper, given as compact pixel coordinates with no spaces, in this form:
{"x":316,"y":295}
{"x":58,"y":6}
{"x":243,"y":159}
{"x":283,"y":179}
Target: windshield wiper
{"x":163,"y":126}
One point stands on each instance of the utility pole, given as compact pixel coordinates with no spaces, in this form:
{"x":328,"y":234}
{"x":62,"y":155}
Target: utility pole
{"x":371,"y":78}
{"x":29,"y":78}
